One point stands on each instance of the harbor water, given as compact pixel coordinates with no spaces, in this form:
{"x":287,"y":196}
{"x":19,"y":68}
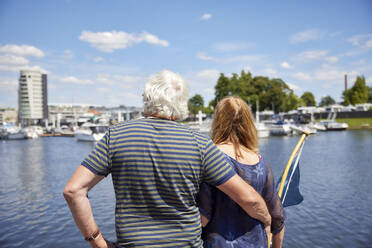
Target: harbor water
{"x":336,"y":182}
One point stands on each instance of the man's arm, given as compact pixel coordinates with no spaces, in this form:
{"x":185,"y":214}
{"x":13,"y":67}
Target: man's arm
{"x":247,"y":198}
{"x":75,"y":193}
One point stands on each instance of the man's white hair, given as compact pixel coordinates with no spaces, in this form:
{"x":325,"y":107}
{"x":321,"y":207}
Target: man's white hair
{"x":166,"y":94}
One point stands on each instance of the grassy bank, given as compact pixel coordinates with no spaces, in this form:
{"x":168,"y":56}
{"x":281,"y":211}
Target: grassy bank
{"x":357,"y":123}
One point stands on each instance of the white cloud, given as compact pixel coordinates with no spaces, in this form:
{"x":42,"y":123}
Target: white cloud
{"x":104,"y":78}
{"x":36,"y":68}
{"x":247,"y":68}
{"x":211,"y":74}
{"x":329,"y":75}
{"x":128,"y":78}
{"x":302,"y":76}
{"x":8,"y":59}
{"x":286,"y":65}
{"x":206,"y":16}
{"x":369,"y":80}
{"x":231,"y":46}
{"x":131,"y":96}
{"x":293,"y":86}
{"x":209,"y":91}
{"x":110,"y":41}
{"x":307,"y":35}
{"x":104,"y":90}
{"x":22,"y":50}
{"x":74,"y":80}
{"x":98,"y":59}
{"x":8,"y":84}
{"x":312,"y":55}
{"x":123,"y":81}
{"x":361,"y":41}
{"x":331,"y":59}
{"x":67,"y":54}
{"x":17,"y":68}
{"x":203,"y":56}
{"x":243,"y":58}
{"x":368,"y":44}
{"x":270,"y":72}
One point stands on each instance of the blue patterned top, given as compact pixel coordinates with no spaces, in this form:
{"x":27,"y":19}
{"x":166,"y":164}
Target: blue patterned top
{"x":229,"y":225}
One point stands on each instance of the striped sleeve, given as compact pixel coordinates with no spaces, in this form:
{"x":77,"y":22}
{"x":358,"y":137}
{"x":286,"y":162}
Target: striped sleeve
{"x":99,"y":160}
{"x":216,"y":169}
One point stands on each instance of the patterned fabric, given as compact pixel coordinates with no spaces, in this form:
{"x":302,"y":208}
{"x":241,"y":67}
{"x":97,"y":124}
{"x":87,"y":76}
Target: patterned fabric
{"x":157,"y":167}
{"x":229,"y":225}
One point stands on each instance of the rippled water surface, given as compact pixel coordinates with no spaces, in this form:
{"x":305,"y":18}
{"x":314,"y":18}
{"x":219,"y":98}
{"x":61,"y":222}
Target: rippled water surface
{"x":336,"y":182}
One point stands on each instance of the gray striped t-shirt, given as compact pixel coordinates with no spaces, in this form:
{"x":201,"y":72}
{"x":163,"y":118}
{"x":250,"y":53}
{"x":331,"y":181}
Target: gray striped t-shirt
{"x":157,"y":166}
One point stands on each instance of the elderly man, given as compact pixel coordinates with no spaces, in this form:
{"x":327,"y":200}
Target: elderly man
{"x":157,"y":166}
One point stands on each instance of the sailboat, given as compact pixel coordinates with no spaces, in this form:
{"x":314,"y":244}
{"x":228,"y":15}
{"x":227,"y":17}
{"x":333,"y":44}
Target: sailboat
{"x":262,"y":130}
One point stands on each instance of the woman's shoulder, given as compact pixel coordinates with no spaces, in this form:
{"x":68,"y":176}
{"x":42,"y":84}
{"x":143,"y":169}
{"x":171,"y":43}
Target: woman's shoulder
{"x":249,"y":157}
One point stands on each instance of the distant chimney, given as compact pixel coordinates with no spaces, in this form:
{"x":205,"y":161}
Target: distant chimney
{"x":345,"y":81}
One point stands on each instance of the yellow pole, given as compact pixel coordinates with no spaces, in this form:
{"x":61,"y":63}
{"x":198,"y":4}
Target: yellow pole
{"x":286,"y":170}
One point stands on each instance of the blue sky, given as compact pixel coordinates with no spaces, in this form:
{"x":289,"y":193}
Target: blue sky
{"x":102,"y":52}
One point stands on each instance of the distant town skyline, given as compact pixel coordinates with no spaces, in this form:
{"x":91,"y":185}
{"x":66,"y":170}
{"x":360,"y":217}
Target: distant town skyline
{"x":102,"y":53}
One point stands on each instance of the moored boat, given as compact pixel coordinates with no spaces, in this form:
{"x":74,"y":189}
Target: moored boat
{"x":90,"y":132}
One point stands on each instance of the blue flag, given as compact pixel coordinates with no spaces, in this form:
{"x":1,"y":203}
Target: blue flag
{"x":291,"y":193}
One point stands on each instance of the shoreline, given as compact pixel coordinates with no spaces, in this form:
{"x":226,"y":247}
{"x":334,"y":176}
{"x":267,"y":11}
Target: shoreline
{"x":360,"y":128}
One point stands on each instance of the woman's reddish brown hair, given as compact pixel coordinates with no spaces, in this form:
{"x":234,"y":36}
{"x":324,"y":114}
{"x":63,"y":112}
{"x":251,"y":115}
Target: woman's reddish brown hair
{"x":233,"y":123}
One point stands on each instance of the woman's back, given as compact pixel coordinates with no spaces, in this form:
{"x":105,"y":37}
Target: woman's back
{"x":228,"y":223}
{"x":234,"y":132}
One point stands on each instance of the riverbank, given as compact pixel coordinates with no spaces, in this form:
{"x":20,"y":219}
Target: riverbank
{"x":357,"y":123}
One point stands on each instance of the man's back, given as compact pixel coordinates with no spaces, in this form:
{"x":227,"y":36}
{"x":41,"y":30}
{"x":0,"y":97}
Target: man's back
{"x":157,"y":166}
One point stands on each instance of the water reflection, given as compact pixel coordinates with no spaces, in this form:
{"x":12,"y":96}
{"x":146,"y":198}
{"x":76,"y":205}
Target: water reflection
{"x":31,"y":172}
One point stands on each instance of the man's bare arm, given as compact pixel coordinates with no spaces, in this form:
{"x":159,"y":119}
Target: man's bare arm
{"x":75,"y":193}
{"x":247,"y":198}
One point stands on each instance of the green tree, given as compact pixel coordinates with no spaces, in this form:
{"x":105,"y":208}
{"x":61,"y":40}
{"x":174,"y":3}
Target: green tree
{"x":346,"y":95}
{"x":222,"y":88}
{"x":370,"y":94}
{"x":359,"y":91}
{"x":271,"y":93}
{"x":292,"y":102}
{"x":356,"y":94}
{"x":326,"y":101}
{"x":308,"y":98}
{"x":195,"y":104}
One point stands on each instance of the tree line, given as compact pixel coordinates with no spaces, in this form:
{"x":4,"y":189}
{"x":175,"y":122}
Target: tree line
{"x":273,"y":94}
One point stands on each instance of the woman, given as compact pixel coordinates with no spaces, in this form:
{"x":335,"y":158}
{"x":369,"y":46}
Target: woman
{"x":225,"y":223}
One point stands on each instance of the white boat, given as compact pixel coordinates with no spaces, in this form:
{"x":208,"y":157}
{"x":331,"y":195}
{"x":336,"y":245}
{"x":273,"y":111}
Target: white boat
{"x":15,"y":133}
{"x":90,"y":132}
{"x":262,"y":130}
{"x":335,"y":126}
{"x":279,"y":128}
{"x":67,"y":131}
{"x":33,"y":132}
{"x":332,"y":125}
{"x":317,"y":126}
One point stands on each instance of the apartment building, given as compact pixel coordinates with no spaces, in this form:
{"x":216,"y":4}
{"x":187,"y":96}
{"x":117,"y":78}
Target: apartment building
{"x":32,"y":98}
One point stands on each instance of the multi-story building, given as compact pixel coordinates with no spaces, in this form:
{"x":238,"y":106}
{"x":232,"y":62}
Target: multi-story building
{"x":32,"y":97}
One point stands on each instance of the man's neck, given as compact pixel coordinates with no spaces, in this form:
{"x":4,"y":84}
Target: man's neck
{"x":159,"y":117}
